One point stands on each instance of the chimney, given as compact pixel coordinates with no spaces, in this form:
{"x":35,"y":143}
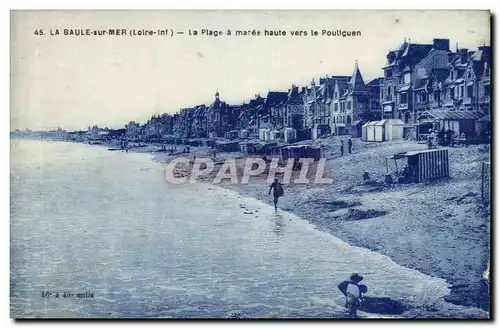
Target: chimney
{"x":441,"y":44}
{"x":463,"y":55}
{"x":451,"y":56}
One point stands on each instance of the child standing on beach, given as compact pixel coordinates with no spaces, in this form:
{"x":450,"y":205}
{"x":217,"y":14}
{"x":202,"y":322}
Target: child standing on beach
{"x":353,"y":293}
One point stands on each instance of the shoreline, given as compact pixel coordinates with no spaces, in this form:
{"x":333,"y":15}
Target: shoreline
{"x":399,"y":221}
{"x":375,"y":217}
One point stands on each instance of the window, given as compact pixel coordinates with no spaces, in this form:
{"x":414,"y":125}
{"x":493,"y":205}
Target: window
{"x":436,"y":95}
{"x":335,"y":95}
{"x":406,"y":78}
{"x":388,"y":73}
{"x":403,"y":97}
{"x":469,"y":91}
{"x":422,"y":96}
{"x":349,"y":104}
{"x":469,"y":75}
{"x":452,"y":92}
{"x":451,"y":74}
{"x":381,"y":93}
{"x":389,"y":90}
{"x":335,"y":107}
{"x":461,"y":91}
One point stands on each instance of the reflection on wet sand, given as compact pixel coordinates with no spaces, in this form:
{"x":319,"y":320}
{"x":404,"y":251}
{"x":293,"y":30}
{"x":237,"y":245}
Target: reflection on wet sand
{"x":278,"y":224}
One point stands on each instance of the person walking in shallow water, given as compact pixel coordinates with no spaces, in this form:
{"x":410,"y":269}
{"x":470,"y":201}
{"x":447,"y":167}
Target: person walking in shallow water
{"x":277,"y":192}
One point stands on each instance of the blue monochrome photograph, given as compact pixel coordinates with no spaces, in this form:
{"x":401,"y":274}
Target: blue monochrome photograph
{"x":240,"y":165}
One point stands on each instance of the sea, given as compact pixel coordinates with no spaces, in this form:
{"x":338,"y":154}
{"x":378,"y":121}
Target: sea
{"x":100,"y":234}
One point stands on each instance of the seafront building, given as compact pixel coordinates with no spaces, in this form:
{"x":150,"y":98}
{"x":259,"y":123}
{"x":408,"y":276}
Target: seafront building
{"x":427,"y":86}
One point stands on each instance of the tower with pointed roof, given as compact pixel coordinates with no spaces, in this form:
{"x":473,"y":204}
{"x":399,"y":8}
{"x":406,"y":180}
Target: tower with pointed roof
{"x":356,"y":80}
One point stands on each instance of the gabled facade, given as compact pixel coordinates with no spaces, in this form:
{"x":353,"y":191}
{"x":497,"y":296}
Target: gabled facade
{"x":353,"y":103}
{"x":214,"y":116}
{"x":396,"y":90}
{"x":270,"y":115}
{"x":293,"y":109}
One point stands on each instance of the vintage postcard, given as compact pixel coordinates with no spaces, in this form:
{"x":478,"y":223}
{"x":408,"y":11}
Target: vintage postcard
{"x":250,"y":164}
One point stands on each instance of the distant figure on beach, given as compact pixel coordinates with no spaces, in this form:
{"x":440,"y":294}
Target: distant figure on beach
{"x":341,"y":147}
{"x":349,"y":145}
{"x":449,"y":137}
{"x":277,"y":192}
{"x":353,"y":292}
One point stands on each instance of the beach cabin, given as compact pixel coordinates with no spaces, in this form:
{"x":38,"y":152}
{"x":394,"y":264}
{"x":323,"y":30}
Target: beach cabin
{"x":363,"y":131}
{"x":424,"y":165}
{"x":268,"y":147}
{"x":274,"y":151}
{"x":394,"y":129}
{"x":300,"y":151}
{"x":227,"y":146}
{"x":368,"y":131}
{"x":389,"y":129}
{"x":428,"y":164}
{"x":379,"y":131}
{"x":248,"y":147}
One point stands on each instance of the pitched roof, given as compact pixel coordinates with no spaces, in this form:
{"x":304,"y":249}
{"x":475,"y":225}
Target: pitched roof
{"x":436,"y":60}
{"x":275,"y":97}
{"x":486,"y":118}
{"x":416,"y":51}
{"x":375,"y":82}
{"x":479,"y":58}
{"x":294,"y":96}
{"x":343,"y":86}
{"x":453,"y":115}
{"x":356,"y":80}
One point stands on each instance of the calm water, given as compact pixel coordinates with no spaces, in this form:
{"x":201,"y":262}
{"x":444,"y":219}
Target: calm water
{"x":85,"y":219}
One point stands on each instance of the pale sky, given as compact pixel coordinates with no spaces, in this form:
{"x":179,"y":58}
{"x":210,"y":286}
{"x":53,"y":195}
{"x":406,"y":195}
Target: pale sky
{"x":77,"y":81}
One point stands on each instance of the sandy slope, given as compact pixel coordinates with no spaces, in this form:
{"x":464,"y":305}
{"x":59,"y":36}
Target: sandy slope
{"x":439,"y":228}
